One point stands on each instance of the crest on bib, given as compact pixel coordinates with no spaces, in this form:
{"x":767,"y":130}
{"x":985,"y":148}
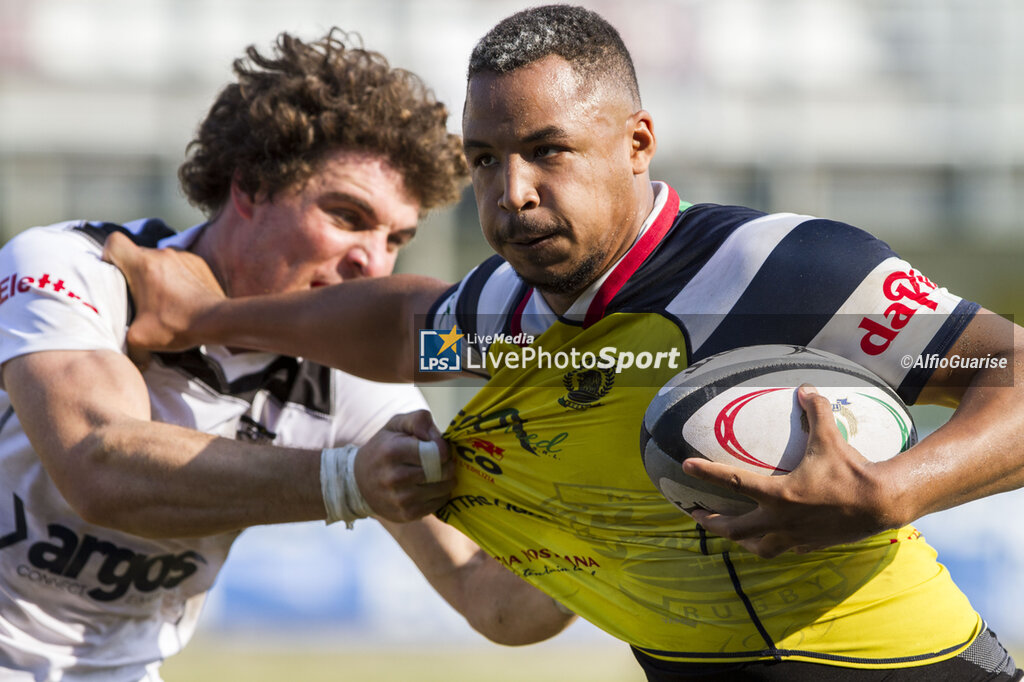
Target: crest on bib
{"x":586,"y":387}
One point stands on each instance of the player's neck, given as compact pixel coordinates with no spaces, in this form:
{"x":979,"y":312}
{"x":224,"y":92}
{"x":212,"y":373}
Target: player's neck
{"x":208,"y":247}
{"x":559,"y":303}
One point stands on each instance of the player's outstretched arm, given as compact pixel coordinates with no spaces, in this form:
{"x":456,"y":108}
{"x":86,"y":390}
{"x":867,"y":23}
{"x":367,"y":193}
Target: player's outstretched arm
{"x":86,"y":414}
{"x":365,"y":327}
{"x":497,"y":603}
{"x":835,"y":495}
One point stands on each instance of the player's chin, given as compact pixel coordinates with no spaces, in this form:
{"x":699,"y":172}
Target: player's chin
{"x":555,"y":277}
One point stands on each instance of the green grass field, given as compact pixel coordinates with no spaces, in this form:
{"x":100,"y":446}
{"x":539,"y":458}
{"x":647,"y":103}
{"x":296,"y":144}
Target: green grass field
{"x":210,"y":659}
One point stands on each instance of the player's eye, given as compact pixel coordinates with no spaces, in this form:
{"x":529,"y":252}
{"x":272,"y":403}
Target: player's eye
{"x":348,"y":219}
{"x":484,"y":160}
{"x":397,"y":241}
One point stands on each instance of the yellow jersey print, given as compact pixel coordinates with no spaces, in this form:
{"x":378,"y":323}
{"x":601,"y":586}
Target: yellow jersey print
{"x":550,"y":479}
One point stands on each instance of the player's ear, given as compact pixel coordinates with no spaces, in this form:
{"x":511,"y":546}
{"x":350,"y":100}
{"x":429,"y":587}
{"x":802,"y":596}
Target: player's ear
{"x":643,"y":140}
{"x":243,"y":201}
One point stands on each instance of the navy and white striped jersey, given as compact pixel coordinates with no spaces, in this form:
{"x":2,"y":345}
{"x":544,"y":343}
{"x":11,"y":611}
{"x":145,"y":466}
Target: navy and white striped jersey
{"x":730,"y":276}
{"x":551,"y":480}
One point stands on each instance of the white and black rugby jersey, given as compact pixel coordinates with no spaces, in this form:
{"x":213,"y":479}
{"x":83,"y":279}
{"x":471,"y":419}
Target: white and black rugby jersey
{"x":550,"y":478}
{"x":78,"y":599}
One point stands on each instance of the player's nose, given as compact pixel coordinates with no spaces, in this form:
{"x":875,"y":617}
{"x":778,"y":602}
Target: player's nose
{"x":519,"y":192}
{"x":370,"y":257}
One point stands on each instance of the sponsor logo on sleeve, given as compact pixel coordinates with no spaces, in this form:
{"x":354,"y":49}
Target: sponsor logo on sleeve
{"x":15,"y":284}
{"x":909,"y":292}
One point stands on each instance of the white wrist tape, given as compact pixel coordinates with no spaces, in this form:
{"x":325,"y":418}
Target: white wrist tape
{"x":353,"y":496}
{"x":430,"y":460}
{"x":339,"y":488}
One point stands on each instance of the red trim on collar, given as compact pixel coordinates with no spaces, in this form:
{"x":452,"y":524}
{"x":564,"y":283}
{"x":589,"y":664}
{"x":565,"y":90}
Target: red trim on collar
{"x":516,"y":323}
{"x":634,"y":258}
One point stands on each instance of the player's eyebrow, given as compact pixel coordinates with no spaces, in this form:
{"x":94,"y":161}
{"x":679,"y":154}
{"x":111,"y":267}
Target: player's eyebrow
{"x":359,"y":203}
{"x":362,"y":205}
{"x":474,"y":144}
{"x":551,"y":132}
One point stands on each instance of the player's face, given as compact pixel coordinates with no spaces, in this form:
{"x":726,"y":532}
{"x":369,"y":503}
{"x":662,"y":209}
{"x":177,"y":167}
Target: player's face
{"x":553,"y":174}
{"x":346,"y":222}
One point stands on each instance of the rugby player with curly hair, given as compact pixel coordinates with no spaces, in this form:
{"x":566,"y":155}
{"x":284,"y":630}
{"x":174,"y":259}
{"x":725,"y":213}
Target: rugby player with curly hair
{"x":122,"y":487}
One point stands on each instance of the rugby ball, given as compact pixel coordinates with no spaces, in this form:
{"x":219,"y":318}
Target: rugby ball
{"x":740,"y":408}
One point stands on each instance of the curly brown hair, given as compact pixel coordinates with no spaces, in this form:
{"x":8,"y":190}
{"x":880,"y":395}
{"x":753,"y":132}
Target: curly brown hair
{"x":270,"y":130}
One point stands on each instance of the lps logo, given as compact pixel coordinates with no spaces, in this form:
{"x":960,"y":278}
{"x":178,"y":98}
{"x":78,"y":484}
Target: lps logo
{"x":440,"y":352}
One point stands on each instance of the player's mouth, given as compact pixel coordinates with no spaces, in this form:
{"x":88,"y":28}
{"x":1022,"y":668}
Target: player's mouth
{"x":532,"y":241}
{"x":532,"y":238}
{"x":536,"y":249}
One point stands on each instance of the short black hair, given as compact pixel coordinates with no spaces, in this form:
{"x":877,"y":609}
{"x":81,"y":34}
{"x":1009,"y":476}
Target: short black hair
{"x":582,"y":37}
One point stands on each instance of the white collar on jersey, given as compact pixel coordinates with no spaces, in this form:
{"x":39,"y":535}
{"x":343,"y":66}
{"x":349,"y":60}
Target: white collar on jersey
{"x":538,"y":316}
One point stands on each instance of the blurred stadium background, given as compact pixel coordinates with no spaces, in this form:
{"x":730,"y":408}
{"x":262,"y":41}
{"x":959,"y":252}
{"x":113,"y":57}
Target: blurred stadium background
{"x":904,"y":117}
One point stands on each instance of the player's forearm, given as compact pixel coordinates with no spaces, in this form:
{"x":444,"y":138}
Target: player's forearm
{"x":87,"y":416}
{"x":977,"y":453}
{"x":505,"y":608}
{"x":159,"y":480}
{"x":364,"y":327}
{"x":495,"y":602}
